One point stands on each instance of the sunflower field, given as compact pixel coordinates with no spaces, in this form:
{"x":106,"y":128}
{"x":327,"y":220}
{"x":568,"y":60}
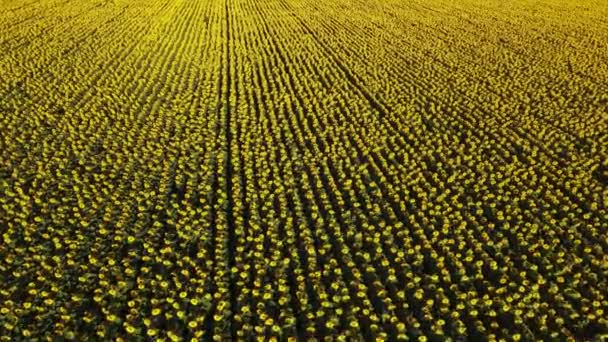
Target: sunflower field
{"x":303,"y":170}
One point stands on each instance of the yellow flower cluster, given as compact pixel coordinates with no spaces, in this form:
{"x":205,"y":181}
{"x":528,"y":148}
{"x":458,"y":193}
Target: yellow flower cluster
{"x":303,"y":170}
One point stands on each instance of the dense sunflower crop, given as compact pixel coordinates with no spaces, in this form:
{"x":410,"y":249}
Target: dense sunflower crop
{"x":192,"y":170}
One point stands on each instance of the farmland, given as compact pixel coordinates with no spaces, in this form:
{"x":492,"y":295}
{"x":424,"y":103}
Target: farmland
{"x":296,"y":169}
